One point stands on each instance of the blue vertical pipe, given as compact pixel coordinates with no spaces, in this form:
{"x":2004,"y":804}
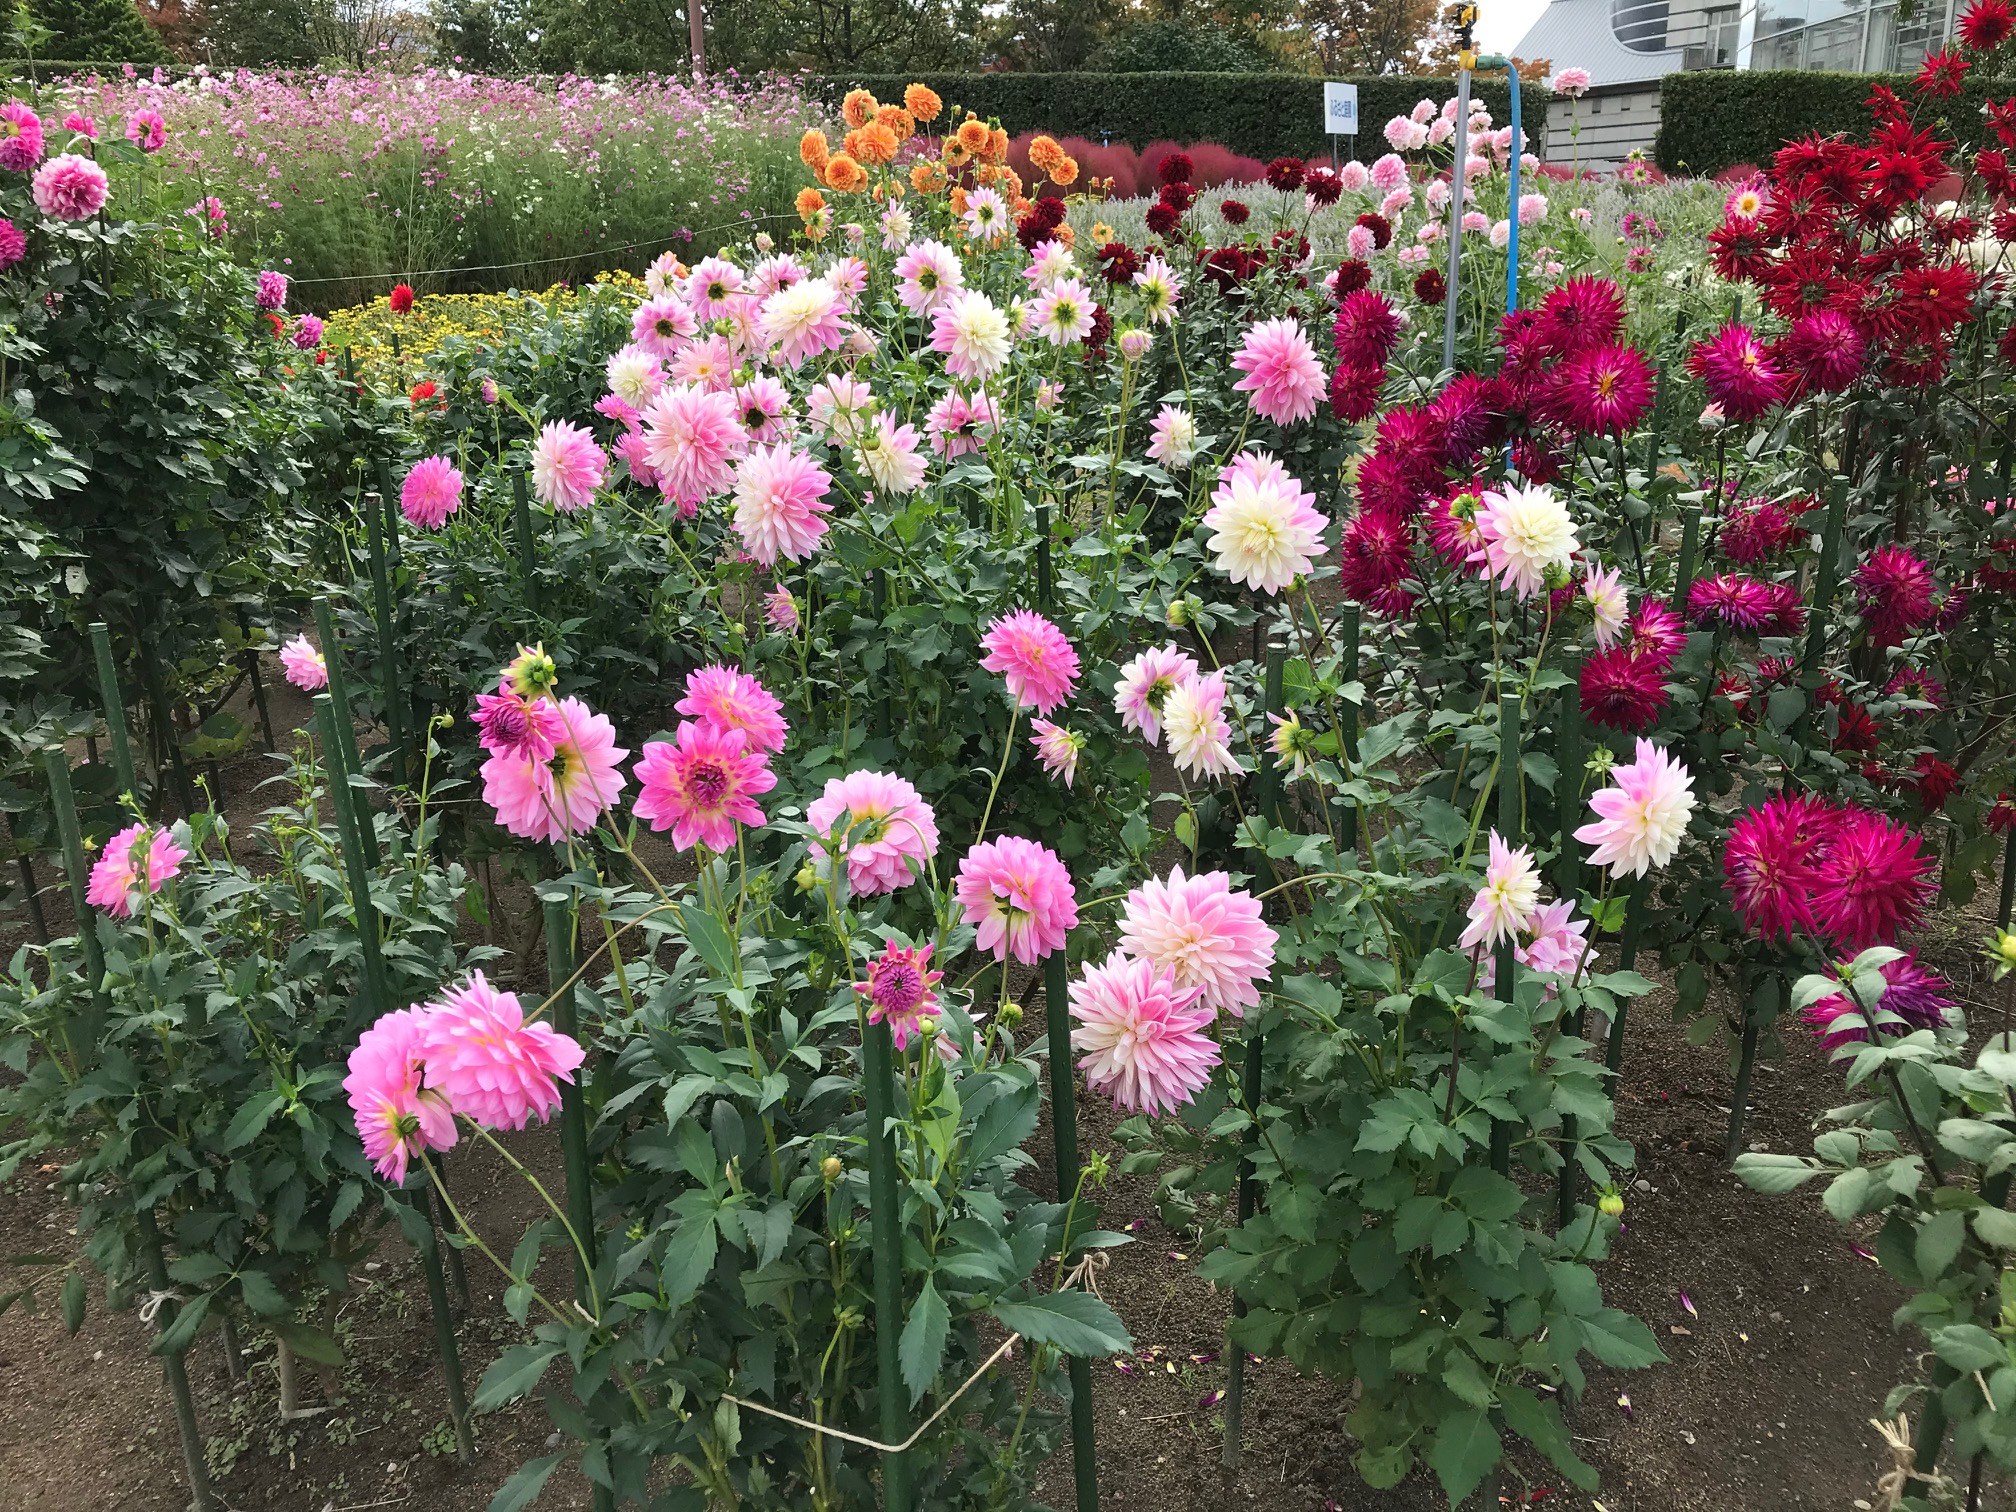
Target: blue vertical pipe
{"x":1512,"y":234}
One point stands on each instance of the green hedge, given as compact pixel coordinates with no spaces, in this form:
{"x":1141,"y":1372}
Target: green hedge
{"x":1260,"y":115}
{"x":1710,"y":120}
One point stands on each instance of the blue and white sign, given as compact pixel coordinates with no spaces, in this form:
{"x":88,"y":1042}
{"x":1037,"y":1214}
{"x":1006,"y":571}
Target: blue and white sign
{"x":1340,"y":108}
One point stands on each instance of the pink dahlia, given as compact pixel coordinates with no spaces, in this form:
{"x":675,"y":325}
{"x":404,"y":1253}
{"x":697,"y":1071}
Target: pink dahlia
{"x":1033,"y":658}
{"x":1145,"y":685}
{"x":1064,"y":313}
{"x":803,"y":320}
{"x":1746,"y":605}
{"x":270,"y":292}
{"x":899,"y":992}
{"x":1895,"y":591}
{"x":692,"y":440}
{"x":1914,"y":993}
{"x":397,"y":1115}
{"x":1204,"y":933}
{"x":1579,"y":315}
{"x":1604,"y":391}
{"x":780,"y":611}
{"x":1017,"y":895}
{"x":765,"y":407}
{"x":1264,"y":527}
{"x":13,"y":245}
{"x":880,"y":826}
{"x":1057,"y":748}
{"x":1825,"y":350}
{"x":733,"y":700}
{"x":524,"y":727}
{"x":70,"y":187}
{"x":959,"y":426}
{"x":710,"y":364}
{"x":974,"y":336}
{"x":1173,"y":437}
{"x":1740,"y":375}
{"x":139,"y":858}
{"x":20,"y":137}
{"x":567,"y":466}
{"x":1194,"y":727}
{"x":304,"y":665}
{"x":780,"y":502}
{"x":928,"y":274}
{"x":1771,"y":864}
{"x":1641,"y":817}
{"x":566,"y":793}
{"x":492,"y":1066}
{"x":1507,"y":902}
{"x":1876,"y":880}
{"x":713,"y":285}
{"x":431,"y":492}
{"x":1142,"y":1036}
{"x":1283,"y":381}
{"x":701,"y":784}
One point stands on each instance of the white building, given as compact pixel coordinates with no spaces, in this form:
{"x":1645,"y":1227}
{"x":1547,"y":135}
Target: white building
{"x":1628,"y":45}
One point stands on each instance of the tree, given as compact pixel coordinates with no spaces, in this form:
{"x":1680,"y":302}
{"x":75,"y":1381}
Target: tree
{"x":1368,"y":36}
{"x":97,"y":31}
{"x":1174,"y":47}
{"x":255,"y":32}
{"x":485,"y":36}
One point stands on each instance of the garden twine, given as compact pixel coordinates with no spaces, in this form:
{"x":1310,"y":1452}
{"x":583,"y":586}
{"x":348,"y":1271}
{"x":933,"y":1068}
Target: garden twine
{"x":1084,"y":1274}
{"x":1894,"y":1482}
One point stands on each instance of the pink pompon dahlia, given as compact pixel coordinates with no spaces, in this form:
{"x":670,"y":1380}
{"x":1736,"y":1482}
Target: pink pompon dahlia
{"x":1205,"y":934}
{"x":1895,"y":591}
{"x":1771,"y":864}
{"x":567,"y":466}
{"x":13,"y":244}
{"x":1284,"y":382}
{"x":492,"y":1066}
{"x":1641,"y":817}
{"x":1018,"y":897}
{"x":70,"y":187}
{"x":692,"y":440}
{"x":140,"y":858}
{"x":702,"y":784}
{"x":880,"y":826}
{"x":1142,"y":1038}
{"x":305,"y":667}
{"x":431,"y":492}
{"x":566,"y":793}
{"x":780,"y":503}
{"x":1033,"y":658}
{"x":1506,"y":903}
{"x":1876,"y":880}
{"x":1914,"y":993}
{"x":1146,"y":683}
{"x":899,"y":992}
{"x":734,"y":700}
{"x":1263,"y":523}
{"x":1740,"y":376}
{"x":398,"y":1116}
{"x":146,"y":130}
{"x":20,"y":137}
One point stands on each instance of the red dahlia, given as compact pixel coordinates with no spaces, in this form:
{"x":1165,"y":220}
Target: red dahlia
{"x":1895,"y":589}
{"x":1285,"y":174}
{"x":1354,"y":391}
{"x":1582,"y":313}
{"x":1366,"y":329}
{"x":1876,"y":881}
{"x":1380,"y":227}
{"x":1175,"y":168}
{"x":1235,"y":212}
{"x":1323,"y":186}
{"x":1351,"y":276}
{"x":1623,"y":691}
{"x":1942,"y":74}
{"x":400,"y":299}
{"x":1601,"y":392}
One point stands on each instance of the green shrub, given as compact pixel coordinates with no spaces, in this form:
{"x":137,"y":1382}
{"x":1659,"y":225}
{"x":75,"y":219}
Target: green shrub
{"x":1260,"y":115}
{"x":1710,"y":120}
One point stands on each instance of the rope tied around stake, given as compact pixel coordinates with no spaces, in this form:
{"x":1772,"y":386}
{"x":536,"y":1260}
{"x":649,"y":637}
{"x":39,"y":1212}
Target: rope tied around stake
{"x":1083,"y":1275}
{"x":1893,"y":1483}
{"x":152,"y":1303}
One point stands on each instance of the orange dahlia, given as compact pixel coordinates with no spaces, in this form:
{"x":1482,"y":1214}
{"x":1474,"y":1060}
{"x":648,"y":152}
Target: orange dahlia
{"x":1062,"y":232}
{"x":957,"y":199}
{"x":1065,"y":173}
{"x":1011,"y":182}
{"x":922,"y":102}
{"x":1044,"y":152}
{"x":897,"y":119}
{"x":810,"y":202}
{"x":997,"y":146}
{"x":974,"y":136}
{"x":872,"y":144}
{"x":846,"y":175}
{"x":858,"y":109}
{"x":956,"y":155}
{"x":813,"y":151}
{"x":927,"y":178}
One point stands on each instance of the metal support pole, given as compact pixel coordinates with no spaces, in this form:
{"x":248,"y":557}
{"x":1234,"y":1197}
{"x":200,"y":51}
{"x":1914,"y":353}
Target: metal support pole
{"x":201,"y":1498}
{"x":344,"y":734}
{"x":1064,"y":1139}
{"x":885,"y":1211}
{"x":115,"y":709}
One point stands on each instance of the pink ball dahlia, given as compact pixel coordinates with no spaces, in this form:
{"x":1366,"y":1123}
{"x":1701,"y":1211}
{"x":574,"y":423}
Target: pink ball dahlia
{"x":140,"y":858}
{"x":1017,"y":895}
{"x":70,"y":187}
{"x":565,"y":793}
{"x":13,"y":245}
{"x":432,"y":492}
{"x":1284,"y":381}
{"x":899,"y":992}
{"x":701,"y":784}
{"x":1033,"y":657}
{"x":567,"y":466}
{"x":1141,"y":1036}
{"x":304,"y":665}
{"x":494,"y":1067}
{"x":880,"y":825}
{"x":1205,"y":934}
{"x":734,"y":700}
{"x":20,"y":137}
{"x":780,"y":502}
{"x":398,"y":1116}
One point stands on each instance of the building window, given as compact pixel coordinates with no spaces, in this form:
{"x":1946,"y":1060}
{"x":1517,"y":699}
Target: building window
{"x":1640,"y":24}
{"x":1722,"y":28}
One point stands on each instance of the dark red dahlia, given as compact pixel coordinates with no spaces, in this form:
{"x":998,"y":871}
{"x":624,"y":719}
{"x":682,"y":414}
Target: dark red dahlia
{"x":1323,"y":186}
{"x":1353,"y":275}
{"x":1582,"y":313}
{"x":1917,"y":364}
{"x":1430,"y":287}
{"x":1163,"y":218}
{"x":1376,"y":559}
{"x":1175,"y":168}
{"x":2002,"y":816}
{"x":1536,"y":459}
{"x":1895,"y":590}
{"x":1354,"y":392}
{"x":1236,"y":213}
{"x":1102,"y":329}
{"x":1285,"y":174}
{"x":1118,"y":263}
{"x":1935,"y":781}
{"x":1854,"y":728}
{"x":1178,"y":197}
{"x":1935,"y":299}
{"x":1380,"y":227}
{"x":1919,"y":686}
{"x":2002,"y":120}
{"x":1621,"y":691}
{"x":1759,"y":529}
{"x":400,"y":299}
{"x":1738,"y":249}
{"x":1366,"y":329}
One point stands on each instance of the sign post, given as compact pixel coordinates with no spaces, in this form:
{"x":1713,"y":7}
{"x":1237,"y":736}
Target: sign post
{"x":1340,"y":113}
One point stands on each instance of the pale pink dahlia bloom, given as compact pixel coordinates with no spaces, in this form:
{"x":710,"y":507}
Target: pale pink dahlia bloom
{"x":1204,"y":934}
{"x":692,"y":440}
{"x":803,"y":320}
{"x":713,"y":285}
{"x":431,"y":492}
{"x":710,"y":364}
{"x":780,"y":611}
{"x":398,"y":1116}
{"x":880,"y":826}
{"x":1145,"y":685}
{"x":1173,"y":437}
{"x":1063,"y":313}
{"x":701,"y":784}
{"x":1609,"y":604}
{"x":899,"y":992}
{"x":1265,"y":528}
{"x":492,"y":1066}
{"x":1017,"y":895}
{"x":567,"y":466}
{"x":139,"y":858}
{"x":959,"y":425}
{"x":732,"y":699}
{"x":780,"y":501}
{"x":1057,"y":748}
{"x":973,"y":335}
{"x":765,"y":407}
{"x":1194,"y":725}
{"x":566,"y":793}
{"x":70,"y":187}
{"x":1142,"y":1036}
{"x":1641,"y":818}
{"x":304,"y":665}
{"x":887,"y":453}
{"x":1284,"y":381}
{"x":1033,"y":658}
{"x":927,"y":275}
{"x":1505,"y":906}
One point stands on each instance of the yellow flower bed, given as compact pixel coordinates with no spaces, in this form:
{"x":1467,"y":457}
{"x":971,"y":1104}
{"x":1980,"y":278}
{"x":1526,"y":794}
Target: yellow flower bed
{"x":372,"y":331}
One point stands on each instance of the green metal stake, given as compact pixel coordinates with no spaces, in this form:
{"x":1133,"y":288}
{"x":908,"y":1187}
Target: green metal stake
{"x":77,"y":873}
{"x":528,"y":551}
{"x":1627,"y":957}
{"x":201,"y":1498}
{"x":1511,"y":826}
{"x":157,"y":697}
{"x":560,"y":965}
{"x":115,"y":709}
{"x":1046,"y":586}
{"x":2008,"y":903}
{"x":349,"y":827}
{"x":885,"y":1198}
{"x":388,"y":643}
{"x":1761,"y":999}
{"x":1690,"y":539}
{"x":345,"y":733}
{"x":1568,"y":879}
{"x":1064,"y":1138}
{"x":444,"y":1329}
{"x":1347,"y":634}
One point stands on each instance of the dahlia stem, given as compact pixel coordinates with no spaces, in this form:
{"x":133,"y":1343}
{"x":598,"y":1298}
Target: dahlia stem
{"x":350,"y":828}
{"x":573,"y":1115}
{"x":1746,"y":1062}
{"x":390,"y":690}
{"x":1007,"y":753}
{"x":1627,"y":957}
